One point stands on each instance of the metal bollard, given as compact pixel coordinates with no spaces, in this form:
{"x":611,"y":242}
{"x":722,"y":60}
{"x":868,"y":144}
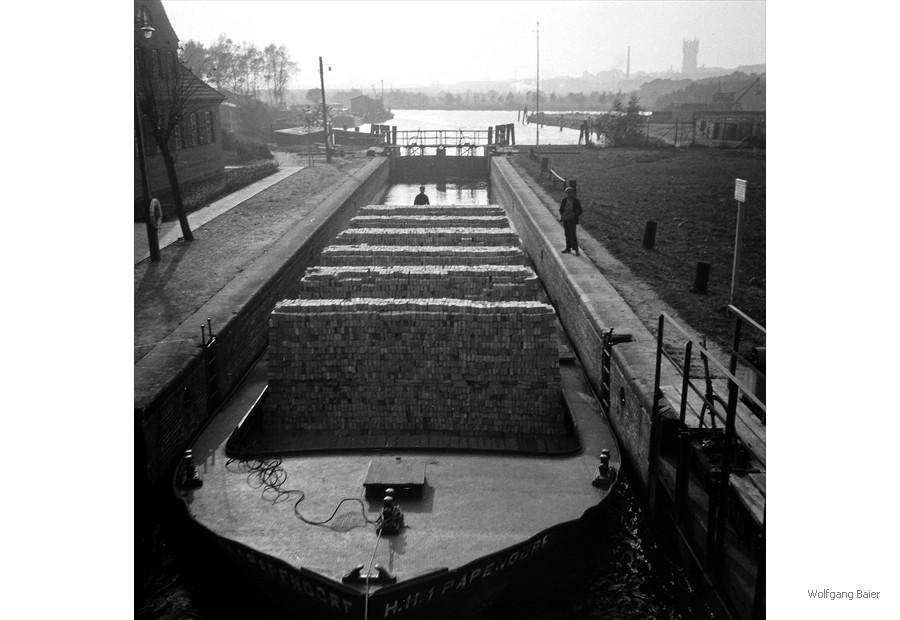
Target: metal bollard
{"x":605,"y":473}
{"x":701,"y":278}
{"x":650,"y":235}
{"x":191,"y":479}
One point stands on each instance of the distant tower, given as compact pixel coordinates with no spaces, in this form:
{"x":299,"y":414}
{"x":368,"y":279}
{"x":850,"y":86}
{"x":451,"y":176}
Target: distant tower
{"x":689,"y":61}
{"x":628,"y":65}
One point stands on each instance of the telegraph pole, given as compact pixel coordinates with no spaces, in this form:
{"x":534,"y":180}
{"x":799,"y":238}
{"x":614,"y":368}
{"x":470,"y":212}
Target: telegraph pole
{"x":537,"y":96}
{"x":324,"y":113}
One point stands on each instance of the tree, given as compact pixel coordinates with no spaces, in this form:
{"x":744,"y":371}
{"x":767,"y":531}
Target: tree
{"x":220,"y":66}
{"x":623,"y":125}
{"x":193,"y":55}
{"x":279,"y":69}
{"x":167,"y":93}
{"x":314,"y":95}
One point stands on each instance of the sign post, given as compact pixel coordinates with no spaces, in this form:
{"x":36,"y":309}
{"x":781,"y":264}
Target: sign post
{"x":740,"y":195}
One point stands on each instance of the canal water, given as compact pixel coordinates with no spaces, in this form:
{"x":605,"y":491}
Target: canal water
{"x":412,"y":120}
{"x":621,"y":571}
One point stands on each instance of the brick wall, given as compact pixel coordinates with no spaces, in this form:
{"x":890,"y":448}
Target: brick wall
{"x":193,"y":165}
{"x":394,"y":365}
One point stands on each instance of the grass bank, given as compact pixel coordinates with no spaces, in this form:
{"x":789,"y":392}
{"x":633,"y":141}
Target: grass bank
{"x":690,"y":194}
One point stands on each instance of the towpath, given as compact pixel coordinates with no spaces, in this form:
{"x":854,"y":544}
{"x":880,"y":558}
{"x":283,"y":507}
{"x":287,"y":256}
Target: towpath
{"x":189,"y":274}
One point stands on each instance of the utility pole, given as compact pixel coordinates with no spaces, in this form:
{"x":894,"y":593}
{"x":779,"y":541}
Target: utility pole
{"x":740,"y":195}
{"x":324,"y":113}
{"x":537,"y":96}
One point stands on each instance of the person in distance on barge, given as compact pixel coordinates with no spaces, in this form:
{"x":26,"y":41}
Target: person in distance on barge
{"x":569,"y":211}
{"x":422,"y":198}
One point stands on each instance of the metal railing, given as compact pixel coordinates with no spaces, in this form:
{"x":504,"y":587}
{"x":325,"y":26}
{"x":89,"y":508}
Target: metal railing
{"x":717,"y":483}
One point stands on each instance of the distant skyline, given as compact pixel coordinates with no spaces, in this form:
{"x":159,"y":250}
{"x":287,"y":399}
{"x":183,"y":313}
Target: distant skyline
{"x":443,"y":42}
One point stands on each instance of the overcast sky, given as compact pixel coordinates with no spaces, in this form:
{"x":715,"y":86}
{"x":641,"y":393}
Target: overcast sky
{"x":417,"y":43}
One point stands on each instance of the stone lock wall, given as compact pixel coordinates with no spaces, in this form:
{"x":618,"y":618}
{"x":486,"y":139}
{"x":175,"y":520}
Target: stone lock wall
{"x":584,"y":313}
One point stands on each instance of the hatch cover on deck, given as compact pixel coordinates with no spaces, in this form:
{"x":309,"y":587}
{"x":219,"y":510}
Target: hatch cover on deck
{"x":406,"y":475}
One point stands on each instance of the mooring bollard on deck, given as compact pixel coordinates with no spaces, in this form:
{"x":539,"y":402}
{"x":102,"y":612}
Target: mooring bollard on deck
{"x":650,"y":235}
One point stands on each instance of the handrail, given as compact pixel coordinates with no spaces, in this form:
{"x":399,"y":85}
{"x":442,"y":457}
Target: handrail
{"x":746,"y":318}
{"x":727,"y":374}
{"x":690,"y":384}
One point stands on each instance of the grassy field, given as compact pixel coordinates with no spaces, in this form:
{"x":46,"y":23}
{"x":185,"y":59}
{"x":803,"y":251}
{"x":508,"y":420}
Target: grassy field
{"x":690,"y":194}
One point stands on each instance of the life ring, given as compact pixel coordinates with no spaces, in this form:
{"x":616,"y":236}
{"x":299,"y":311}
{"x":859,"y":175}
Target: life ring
{"x":156,"y":214}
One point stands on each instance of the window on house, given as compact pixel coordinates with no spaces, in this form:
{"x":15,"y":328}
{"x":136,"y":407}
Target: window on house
{"x":210,"y":133}
{"x":193,"y":134}
{"x":179,"y":137}
{"x":201,"y":133}
{"x":154,"y":62}
{"x":149,"y":142}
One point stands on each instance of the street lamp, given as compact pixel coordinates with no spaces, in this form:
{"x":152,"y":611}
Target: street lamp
{"x":152,"y":236}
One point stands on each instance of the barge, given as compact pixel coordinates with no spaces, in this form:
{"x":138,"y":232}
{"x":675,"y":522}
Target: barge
{"x":417,"y":439}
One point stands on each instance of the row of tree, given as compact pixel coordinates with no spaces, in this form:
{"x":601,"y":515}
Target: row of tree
{"x":470,"y":100}
{"x":240,"y":68}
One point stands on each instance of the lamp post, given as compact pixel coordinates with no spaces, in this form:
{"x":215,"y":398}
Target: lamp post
{"x":152,"y":236}
{"x":324,"y":113}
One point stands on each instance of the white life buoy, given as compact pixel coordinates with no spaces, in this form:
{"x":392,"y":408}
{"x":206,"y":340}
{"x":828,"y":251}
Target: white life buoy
{"x":156,"y":214}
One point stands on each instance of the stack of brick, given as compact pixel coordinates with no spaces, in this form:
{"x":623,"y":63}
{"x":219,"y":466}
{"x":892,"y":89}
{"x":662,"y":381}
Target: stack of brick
{"x":424,"y":221}
{"x":375,"y":366}
{"x":458,"y":210}
{"x":348,"y":255}
{"x":461,"y":236}
{"x":487,"y":282}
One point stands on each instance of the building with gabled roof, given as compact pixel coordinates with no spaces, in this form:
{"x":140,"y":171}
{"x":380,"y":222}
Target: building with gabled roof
{"x":196,"y":142}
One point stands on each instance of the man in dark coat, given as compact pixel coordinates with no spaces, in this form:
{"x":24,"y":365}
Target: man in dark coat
{"x":569,"y":212}
{"x":422,"y":198}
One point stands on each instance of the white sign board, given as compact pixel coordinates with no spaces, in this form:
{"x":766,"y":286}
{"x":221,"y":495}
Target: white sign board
{"x":740,"y":190}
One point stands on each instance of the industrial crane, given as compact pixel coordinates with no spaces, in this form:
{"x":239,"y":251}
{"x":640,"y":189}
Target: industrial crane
{"x":737,"y":100}
{"x":733,"y":100}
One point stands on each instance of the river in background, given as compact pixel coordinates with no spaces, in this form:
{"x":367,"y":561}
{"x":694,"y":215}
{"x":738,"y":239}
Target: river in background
{"x":412,"y":120}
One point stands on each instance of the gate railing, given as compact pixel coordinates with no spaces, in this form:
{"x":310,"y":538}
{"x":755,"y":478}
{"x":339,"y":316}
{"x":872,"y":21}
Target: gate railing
{"x":717,"y":476}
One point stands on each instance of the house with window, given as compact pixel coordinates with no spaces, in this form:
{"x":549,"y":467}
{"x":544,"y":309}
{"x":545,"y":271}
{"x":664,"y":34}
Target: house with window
{"x":168,"y":95}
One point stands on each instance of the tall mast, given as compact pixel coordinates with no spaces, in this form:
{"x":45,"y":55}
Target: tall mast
{"x":537,"y":94}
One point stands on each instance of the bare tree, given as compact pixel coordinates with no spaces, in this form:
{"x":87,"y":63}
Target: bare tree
{"x":168,"y":93}
{"x":220,"y":65}
{"x":193,"y":55}
{"x":279,"y":69}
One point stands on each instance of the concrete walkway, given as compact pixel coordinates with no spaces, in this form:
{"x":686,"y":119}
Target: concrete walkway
{"x":170,"y":232}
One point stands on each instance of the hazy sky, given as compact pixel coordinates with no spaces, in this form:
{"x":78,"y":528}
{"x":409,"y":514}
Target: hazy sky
{"x":422,"y":42}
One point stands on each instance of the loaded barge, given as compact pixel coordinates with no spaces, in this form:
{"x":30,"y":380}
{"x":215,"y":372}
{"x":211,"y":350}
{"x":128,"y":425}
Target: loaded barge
{"x":418,"y":436}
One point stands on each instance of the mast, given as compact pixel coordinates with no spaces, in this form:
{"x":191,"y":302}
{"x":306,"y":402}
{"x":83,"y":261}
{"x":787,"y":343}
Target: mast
{"x":537,"y":94}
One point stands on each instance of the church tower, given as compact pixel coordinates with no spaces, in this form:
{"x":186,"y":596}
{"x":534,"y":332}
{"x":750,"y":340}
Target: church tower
{"x":689,"y":60}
